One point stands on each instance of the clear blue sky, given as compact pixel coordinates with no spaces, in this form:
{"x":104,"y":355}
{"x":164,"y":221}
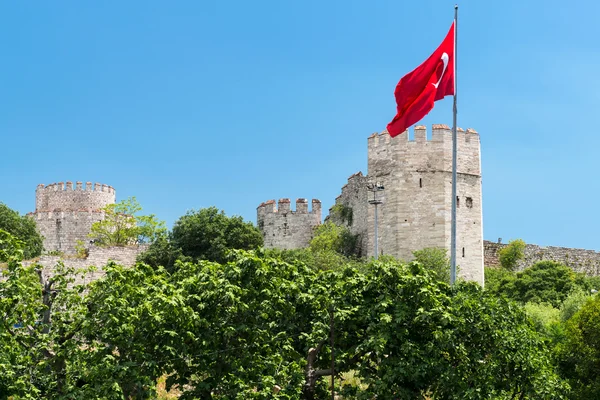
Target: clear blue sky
{"x":188,"y":104}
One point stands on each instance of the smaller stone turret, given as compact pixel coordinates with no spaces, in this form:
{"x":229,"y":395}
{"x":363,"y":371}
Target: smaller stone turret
{"x":64,"y":214}
{"x":283,"y":228}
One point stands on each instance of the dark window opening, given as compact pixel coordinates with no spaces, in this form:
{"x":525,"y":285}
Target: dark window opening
{"x":469,"y":202}
{"x":457,"y":202}
{"x":420,"y":182}
{"x":463,"y":251}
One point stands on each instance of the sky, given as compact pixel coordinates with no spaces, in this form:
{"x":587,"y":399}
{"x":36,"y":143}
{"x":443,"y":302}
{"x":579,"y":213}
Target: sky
{"x":191,"y":104}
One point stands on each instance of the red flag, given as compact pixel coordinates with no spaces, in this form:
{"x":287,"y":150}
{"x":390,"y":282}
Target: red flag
{"x":417,"y":91}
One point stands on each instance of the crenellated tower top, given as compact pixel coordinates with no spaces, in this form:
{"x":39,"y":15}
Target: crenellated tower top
{"x":287,"y":229}
{"x":63,"y":196}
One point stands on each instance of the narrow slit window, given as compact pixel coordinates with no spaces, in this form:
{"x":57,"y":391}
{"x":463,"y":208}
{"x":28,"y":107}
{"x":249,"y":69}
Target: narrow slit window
{"x":457,"y":202}
{"x":420,"y":182}
{"x":463,"y":251}
{"x":469,"y":202}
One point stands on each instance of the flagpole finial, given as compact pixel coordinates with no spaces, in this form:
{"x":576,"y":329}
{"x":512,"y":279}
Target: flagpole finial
{"x":456,"y":6}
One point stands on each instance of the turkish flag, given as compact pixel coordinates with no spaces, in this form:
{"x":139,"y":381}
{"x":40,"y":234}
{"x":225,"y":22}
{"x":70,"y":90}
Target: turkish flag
{"x":417,"y":91}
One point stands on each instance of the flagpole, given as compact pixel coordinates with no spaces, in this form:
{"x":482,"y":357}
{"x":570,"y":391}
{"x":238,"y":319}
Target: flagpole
{"x":454,"y":156}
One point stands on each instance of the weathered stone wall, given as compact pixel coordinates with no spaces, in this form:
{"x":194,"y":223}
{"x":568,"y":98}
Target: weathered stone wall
{"x":416,"y":209}
{"x":64,"y":214}
{"x":62,"y":229}
{"x":283,"y":228}
{"x":98,"y":257}
{"x":580,"y":260}
{"x":355,"y":198}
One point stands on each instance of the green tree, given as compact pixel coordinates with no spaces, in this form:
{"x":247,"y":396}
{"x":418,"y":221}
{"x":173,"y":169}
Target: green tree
{"x":40,"y":318}
{"x":510,"y":255}
{"x":122,"y":226}
{"x":332,"y":237}
{"x":208,"y":234}
{"x":436,"y":261}
{"x":23,"y":228}
{"x":460,"y":342}
{"x":544,"y":282}
{"x":579,"y":355}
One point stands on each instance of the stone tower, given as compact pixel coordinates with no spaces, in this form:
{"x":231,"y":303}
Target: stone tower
{"x":283,"y":228}
{"x":416,"y":201}
{"x":64,"y":214}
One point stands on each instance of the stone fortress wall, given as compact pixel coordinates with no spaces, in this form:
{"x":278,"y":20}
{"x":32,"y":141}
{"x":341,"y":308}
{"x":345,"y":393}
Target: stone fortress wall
{"x":354,"y":198}
{"x":286,"y":229}
{"x":64,"y":214}
{"x":579,"y":260}
{"x":97,"y":257}
{"x":415,"y":209}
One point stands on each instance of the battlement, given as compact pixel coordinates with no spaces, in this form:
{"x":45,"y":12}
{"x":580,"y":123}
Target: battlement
{"x":66,"y":196}
{"x":386,"y":154}
{"x":284,"y":206}
{"x":62,"y":186}
{"x":283,"y":228}
{"x":439,"y":133}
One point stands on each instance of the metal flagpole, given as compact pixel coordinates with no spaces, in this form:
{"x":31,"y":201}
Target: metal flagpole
{"x":454,"y":154}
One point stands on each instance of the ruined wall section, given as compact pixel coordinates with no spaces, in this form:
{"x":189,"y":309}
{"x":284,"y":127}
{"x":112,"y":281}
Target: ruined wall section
{"x":283,"y":228}
{"x":97,"y":257}
{"x":64,"y":214}
{"x":579,"y":260}
{"x":354,"y":200}
{"x":416,"y":209}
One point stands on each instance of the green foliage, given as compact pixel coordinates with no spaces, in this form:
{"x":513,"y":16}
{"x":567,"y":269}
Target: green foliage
{"x":580,"y":353}
{"x":24,"y":229}
{"x":162,"y":253}
{"x":436,"y":261}
{"x":208,"y":234}
{"x":332,"y":237}
{"x":510,"y":255}
{"x":39,"y":318}
{"x":546,"y":320}
{"x":544,"y":282}
{"x":258,"y":327}
{"x":497,"y":277}
{"x":80,"y":250}
{"x":343,"y":213}
{"x":573,"y":303}
{"x":453,"y":343}
{"x":122,"y":226}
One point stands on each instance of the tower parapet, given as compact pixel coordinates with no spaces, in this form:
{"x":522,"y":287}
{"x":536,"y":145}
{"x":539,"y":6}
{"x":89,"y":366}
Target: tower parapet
{"x":64,"y":213}
{"x":58,"y":196}
{"x":284,"y":228}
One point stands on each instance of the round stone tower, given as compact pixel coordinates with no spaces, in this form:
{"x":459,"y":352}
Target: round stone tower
{"x":64,"y":214}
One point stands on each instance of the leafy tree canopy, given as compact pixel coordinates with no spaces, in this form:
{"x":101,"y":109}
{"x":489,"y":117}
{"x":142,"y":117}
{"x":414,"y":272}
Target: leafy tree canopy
{"x":207,"y":234}
{"x":123,"y":226}
{"x":580,"y":353}
{"x":436,"y":261}
{"x":510,"y":255}
{"x":257,"y":327}
{"x":23,"y":228}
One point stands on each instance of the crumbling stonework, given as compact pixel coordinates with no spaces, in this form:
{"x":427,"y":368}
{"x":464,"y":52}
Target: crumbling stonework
{"x":97,"y":257}
{"x":283,"y":228}
{"x":580,"y":260}
{"x":354,"y":198}
{"x":64,"y":215}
